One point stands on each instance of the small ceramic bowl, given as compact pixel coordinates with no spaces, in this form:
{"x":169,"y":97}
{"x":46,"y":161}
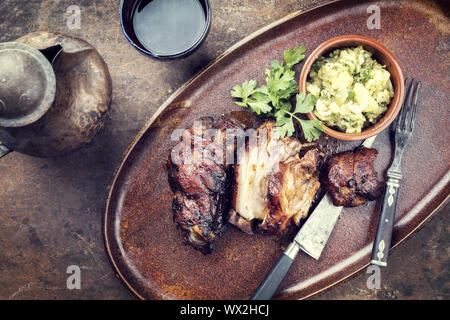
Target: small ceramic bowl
{"x":383,"y":56}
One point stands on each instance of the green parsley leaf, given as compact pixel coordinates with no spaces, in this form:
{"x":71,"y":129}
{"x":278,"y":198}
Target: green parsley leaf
{"x":263,"y":90}
{"x":351,"y":94}
{"x":285,"y":125}
{"x":277,"y":81}
{"x":312,"y":129}
{"x":289,"y":91}
{"x":242,"y":104}
{"x":305,"y":104}
{"x":285,"y":105}
{"x":260,"y":106}
{"x":244,"y":91}
{"x":274,"y":98}
{"x":277,"y":66}
{"x":294,"y":56}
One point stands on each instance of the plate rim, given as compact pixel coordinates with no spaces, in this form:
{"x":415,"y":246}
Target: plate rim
{"x":131,"y":146}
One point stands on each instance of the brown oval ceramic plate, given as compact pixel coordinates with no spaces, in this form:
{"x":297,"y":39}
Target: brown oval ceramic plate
{"x":146,"y":249}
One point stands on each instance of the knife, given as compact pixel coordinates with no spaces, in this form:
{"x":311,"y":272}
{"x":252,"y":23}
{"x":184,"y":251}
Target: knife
{"x":311,"y":238}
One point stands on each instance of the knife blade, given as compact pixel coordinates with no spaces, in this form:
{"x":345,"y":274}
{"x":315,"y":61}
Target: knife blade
{"x":312,"y":238}
{"x":314,"y":234}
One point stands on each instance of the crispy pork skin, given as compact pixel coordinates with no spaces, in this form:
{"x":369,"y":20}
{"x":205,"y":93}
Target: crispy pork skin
{"x":201,"y":184}
{"x":351,"y":179}
{"x":273,"y":186}
{"x":291,"y":191}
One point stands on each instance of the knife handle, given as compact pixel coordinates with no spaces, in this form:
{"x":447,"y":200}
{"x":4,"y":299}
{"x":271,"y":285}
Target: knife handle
{"x":276,"y":275}
{"x":383,"y":236}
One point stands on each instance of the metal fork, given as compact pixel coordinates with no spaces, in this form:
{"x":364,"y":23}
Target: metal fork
{"x":402,"y":129}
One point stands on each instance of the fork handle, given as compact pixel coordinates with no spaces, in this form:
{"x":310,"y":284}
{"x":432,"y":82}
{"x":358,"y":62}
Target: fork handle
{"x":383,"y":236}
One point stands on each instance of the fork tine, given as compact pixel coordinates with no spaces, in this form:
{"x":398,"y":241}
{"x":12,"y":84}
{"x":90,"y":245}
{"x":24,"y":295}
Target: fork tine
{"x":402,"y":116}
{"x":409,"y":104}
{"x":412,"y":99}
{"x":413,"y":116}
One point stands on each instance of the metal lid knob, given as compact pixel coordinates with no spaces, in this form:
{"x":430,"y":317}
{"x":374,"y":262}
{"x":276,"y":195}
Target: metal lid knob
{"x":27,"y":84}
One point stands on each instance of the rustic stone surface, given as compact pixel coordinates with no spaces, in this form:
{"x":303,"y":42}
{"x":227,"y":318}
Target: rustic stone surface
{"x":51,"y":209}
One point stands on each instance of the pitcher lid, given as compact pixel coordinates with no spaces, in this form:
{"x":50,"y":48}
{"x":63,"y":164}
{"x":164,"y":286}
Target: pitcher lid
{"x":27,"y":84}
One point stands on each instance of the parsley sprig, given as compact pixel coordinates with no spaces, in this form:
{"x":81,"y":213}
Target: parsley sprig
{"x":274,"y":98}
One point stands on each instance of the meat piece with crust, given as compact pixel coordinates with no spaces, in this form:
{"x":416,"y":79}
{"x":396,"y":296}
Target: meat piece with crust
{"x":351,"y":179}
{"x":201,"y":184}
{"x":291,"y":191}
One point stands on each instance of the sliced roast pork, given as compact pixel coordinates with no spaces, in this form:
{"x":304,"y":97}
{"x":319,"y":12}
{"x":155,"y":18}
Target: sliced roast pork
{"x":273,"y":186}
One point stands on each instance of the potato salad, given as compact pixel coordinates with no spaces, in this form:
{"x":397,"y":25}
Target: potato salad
{"x":352,"y":88}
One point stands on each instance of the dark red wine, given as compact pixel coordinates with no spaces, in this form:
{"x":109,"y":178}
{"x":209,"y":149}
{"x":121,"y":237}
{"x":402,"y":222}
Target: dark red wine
{"x":167,"y":27}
